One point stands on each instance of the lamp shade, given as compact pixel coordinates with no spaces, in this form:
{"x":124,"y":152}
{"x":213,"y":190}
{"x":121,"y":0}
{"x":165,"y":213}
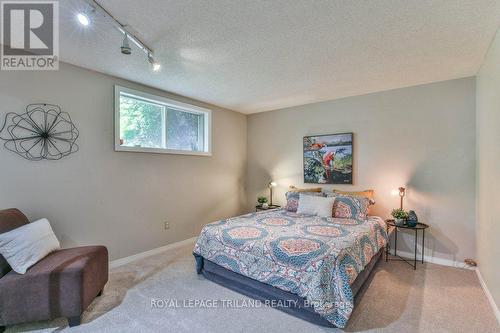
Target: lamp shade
{"x":402,"y":191}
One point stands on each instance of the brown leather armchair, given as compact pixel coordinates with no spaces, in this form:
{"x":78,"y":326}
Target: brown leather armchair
{"x":63,"y":284}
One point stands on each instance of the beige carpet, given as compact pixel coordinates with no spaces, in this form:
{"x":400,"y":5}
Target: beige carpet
{"x":397,"y":299}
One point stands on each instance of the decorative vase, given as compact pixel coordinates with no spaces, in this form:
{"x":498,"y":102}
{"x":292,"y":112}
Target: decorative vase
{"x":399,"y":222}
{"x":265,"y":205}
{"x":412,"y":219}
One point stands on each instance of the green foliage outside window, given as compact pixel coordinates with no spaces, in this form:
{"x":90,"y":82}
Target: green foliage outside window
{"x":140,"y":123}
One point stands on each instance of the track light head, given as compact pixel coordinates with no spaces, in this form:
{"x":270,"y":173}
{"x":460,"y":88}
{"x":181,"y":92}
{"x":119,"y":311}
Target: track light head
{"x":125,"y":48}
{"x":155,"y":65}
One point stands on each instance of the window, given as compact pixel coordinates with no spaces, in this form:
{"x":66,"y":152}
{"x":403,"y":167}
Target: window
{"x":148,"y":123}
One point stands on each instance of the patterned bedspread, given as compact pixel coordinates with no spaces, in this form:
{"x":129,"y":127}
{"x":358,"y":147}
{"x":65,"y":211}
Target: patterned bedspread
{"x":316,"y":258}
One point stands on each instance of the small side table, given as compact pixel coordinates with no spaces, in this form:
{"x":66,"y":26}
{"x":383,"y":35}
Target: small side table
{"x":419,"y":226}
{"x":259,"y":207}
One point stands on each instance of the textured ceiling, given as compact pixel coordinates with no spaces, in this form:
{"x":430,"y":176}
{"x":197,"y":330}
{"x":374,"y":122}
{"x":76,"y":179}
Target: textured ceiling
{"x":253,"y":56}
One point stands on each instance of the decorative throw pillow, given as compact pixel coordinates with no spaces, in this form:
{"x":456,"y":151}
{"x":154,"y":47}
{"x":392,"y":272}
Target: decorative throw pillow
{"x":292,"y":199}
{"x":26,"y":245}
{"x":11,"y":219}
{"x":366,"y":193}
{"x":313,"y":205}
{"x":370,"y":194}
{"x":350,"y":207}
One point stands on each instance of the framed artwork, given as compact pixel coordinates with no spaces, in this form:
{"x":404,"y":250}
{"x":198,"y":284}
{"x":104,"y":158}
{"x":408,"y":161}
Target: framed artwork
{"x":328,"y":159}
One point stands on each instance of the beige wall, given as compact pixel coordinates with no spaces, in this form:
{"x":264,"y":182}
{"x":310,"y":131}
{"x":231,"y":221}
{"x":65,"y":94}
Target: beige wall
{"x":488,"y":169}
{"x":119,"y":199}
{"x":422,"y":137}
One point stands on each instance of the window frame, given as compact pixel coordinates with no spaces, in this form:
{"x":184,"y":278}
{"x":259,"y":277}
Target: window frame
{"x":167,"y":102}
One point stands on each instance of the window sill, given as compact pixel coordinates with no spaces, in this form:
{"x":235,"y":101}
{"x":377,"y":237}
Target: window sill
{"x":161,"y":151}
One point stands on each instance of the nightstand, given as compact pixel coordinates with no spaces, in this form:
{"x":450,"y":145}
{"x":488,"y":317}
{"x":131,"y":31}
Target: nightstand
{"x":417,"y":228}
{"x":259,"y":207}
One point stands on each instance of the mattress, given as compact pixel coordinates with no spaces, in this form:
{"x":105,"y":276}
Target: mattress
{"x":315,"y":258}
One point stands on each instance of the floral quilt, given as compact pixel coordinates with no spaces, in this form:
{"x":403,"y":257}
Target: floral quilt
{"x":314,"y":257}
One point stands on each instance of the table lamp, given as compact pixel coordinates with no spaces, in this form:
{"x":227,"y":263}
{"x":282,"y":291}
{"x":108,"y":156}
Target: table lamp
{"x":401,"y":192}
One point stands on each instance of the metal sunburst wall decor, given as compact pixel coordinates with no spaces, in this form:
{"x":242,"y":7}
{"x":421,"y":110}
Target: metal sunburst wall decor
{"x":43,"y":132}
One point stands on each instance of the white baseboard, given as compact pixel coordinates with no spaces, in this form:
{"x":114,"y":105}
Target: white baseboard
{"x":142,"y":255}
{"x":488,"y":295}
{"x":434,"y":260}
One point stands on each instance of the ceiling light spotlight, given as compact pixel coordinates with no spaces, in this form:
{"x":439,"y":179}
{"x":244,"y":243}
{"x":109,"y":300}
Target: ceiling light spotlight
{"x":83,"y":19}
{"x":155,"y":65}
{"x":125,"y":46}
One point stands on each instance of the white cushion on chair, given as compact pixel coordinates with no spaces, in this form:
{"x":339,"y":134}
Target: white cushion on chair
{"x":25,"y":246}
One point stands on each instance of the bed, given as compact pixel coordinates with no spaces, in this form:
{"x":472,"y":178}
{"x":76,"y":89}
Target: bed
{"x":315,"y":264}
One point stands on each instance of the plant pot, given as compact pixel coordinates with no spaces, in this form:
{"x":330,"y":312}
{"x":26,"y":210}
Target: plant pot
{"x":399,"y":222}
{"x":265,"y":205}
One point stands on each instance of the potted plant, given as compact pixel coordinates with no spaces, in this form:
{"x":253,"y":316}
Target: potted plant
{"x":400,"y":216}
{"x":263,"y":202}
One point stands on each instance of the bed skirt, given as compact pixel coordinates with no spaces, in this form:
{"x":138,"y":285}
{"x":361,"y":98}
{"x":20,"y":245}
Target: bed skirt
{"x":295,"y":305}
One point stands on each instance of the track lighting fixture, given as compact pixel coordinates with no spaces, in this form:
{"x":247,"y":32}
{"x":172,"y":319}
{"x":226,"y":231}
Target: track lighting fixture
{"x":96,"y":8}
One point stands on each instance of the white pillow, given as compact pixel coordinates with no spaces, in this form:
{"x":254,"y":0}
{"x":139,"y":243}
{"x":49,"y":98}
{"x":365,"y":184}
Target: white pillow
{"x":25,"y":246}
{"x":312,"y":205}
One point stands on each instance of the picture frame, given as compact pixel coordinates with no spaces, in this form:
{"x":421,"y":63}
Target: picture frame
{"x":328,"y":158}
